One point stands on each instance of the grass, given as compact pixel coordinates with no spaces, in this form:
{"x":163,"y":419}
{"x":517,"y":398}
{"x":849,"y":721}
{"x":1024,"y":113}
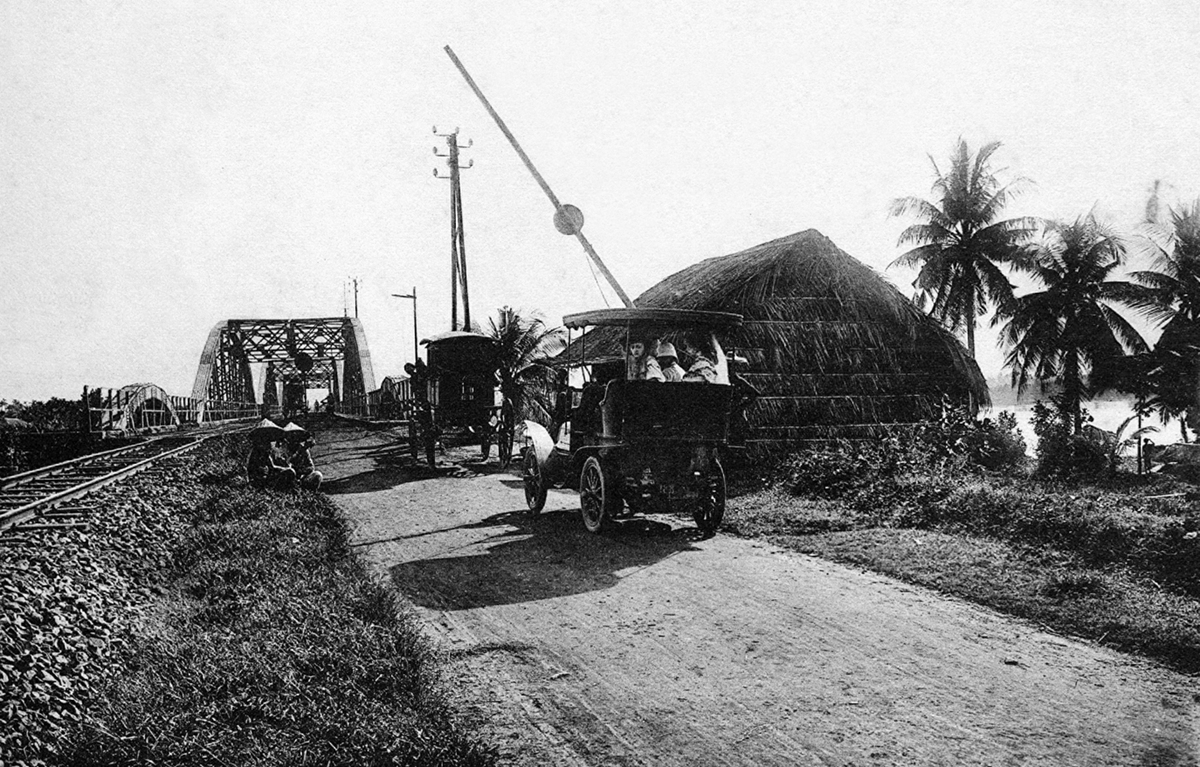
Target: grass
{"x":1074,"y":559}
{"x":272,"y":646}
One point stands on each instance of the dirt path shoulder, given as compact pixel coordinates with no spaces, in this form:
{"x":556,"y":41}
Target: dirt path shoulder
{"x":649,"y":646}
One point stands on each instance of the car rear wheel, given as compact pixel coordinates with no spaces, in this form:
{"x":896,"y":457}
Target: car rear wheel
{"x":598,"y":498}
{"x":535,"y":482}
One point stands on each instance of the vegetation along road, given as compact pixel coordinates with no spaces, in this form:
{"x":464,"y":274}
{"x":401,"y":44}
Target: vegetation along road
{"x":651,"y":646}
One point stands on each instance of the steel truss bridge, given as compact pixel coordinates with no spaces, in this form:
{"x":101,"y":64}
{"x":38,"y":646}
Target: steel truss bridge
{"x":325,"y":353}
{"x":298,"y":354}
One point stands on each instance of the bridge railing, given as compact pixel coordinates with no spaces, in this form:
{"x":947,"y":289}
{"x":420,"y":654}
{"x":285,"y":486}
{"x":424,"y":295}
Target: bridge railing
{"x":359,"y":407}
{"x":217,"y":410}
{"x":391,"y":401}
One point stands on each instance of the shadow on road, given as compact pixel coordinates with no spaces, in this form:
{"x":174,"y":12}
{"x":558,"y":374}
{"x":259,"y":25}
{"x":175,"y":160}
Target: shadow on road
{"x":538,"y":557}
{"x":393,"y":465}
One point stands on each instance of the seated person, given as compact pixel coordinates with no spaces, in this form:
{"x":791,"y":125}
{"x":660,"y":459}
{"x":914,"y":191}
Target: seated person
{"x":586,"y":416}
{"x":302,"y":463}
{"x":640,"y":364}
{"x":702,"y":369}
{"x":668,"y":361}
{"x":265,"y":470}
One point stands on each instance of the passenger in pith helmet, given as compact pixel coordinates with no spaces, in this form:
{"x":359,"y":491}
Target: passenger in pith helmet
{"x":668,"y":361}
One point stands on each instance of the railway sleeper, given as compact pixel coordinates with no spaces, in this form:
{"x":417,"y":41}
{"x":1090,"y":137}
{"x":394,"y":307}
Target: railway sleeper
{"x":59,"y":513}
{"x":72,"y":525}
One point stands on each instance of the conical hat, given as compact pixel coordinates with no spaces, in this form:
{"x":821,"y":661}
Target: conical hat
{"x":267,"y":430}
{"x":292,"y":431}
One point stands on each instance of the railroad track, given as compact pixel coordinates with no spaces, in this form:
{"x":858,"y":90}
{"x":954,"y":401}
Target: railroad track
{"x":48,"y":497}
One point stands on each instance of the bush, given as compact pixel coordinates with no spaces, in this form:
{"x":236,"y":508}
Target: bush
{"x":950,"y":446}
{"x":841,"y":469}
{"x":931,"y":480}
{"x":958,"y":438}
{"x":1062,"y":453}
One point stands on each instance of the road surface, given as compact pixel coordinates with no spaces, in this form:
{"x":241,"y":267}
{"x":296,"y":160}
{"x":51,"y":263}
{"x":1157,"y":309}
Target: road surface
{"x":651,"y":646}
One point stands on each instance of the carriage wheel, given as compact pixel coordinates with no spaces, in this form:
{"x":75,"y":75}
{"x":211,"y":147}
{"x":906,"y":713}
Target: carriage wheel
{"x":504,"y":437}
{"x":430,"y":446}
{"x":535,"y":482}
{"x":414,"y":438}
{"x":710,"y":500}
{"x":485,"y":441}
{"x":598,"y":498}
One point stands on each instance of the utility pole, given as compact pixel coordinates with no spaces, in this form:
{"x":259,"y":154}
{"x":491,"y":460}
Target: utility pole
{"x":458,"y":242}
{"x":350,"y":281}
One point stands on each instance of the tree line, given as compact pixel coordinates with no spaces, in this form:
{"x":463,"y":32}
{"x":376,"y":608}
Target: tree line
{"x":54,"y":414}
{"x":1071,"y":330}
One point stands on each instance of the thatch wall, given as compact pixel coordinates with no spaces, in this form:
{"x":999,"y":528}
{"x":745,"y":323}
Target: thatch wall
{"x":834,"y":349}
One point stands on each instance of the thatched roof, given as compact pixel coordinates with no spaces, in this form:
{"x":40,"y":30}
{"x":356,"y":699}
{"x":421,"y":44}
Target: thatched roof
{"x":835,"y":350}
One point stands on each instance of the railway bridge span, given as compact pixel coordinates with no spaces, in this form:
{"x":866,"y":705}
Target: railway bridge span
{"x":297,"y":354}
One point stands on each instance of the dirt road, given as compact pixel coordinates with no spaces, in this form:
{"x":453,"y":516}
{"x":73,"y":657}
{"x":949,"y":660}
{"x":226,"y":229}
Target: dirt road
{"x":648,"y":646}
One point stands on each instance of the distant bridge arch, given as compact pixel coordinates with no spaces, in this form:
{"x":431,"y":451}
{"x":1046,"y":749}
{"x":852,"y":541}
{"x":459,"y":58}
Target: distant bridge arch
{"x":323,"y":353}
{"x":137,"y":407}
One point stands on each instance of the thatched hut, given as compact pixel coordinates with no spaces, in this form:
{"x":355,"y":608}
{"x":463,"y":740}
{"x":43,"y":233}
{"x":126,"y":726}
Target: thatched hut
{"x":834,"y":349}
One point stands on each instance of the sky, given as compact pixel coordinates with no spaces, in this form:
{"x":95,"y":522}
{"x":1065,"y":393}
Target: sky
{"x":165,"y":166}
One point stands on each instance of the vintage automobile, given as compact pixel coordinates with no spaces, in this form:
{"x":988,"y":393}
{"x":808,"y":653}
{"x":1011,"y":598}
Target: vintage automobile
{"x":632,"y":446}
{"x":455,"y":396}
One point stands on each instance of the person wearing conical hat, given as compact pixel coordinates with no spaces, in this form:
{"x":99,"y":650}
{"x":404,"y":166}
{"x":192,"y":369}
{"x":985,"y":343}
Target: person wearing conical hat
{"x":668,"y":361}
{"x":263,"y":467}
{"x":299,"y":444}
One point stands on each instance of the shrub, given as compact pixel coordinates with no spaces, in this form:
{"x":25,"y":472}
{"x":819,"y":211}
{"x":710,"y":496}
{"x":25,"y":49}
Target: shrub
{"x":839,"y":470}
{"x":953,"y":444}
{"x":999,"y":445}
{"x":957,"y":440}
{"x":1062,"y":453}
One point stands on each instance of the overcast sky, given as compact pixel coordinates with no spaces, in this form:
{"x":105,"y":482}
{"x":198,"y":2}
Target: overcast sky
{"x":168,"y":165}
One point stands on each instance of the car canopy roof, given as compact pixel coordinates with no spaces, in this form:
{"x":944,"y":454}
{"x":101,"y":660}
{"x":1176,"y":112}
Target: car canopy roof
{"x":673,"y":319}
{"x":458,"y":337}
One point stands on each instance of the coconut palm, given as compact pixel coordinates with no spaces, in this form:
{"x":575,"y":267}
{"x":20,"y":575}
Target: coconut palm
{"x":960,"y":242}
{"x":1070,"y":332}
{"x":1172,"y":298}
{"x":524,"y":342}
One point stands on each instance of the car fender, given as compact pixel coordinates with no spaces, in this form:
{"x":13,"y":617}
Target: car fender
{"x":539,"y":441}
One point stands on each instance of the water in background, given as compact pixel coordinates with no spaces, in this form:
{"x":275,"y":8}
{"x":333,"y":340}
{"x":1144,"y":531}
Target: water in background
{"x":1106,"y":414}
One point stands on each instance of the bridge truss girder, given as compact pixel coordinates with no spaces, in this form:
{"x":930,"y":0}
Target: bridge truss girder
{"x":225,"y":375}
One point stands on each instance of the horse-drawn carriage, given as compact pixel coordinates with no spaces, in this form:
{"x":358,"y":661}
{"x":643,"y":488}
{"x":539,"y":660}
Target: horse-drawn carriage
{"x":455,"y":397}
{"x":632,"y":445}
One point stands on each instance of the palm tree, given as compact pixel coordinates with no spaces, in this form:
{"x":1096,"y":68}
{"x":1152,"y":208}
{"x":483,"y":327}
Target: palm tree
{"x":1172,"y":298}
{"x":1070,"y":333}
{"x":523,"y":344}
{"x":959,"y":241}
